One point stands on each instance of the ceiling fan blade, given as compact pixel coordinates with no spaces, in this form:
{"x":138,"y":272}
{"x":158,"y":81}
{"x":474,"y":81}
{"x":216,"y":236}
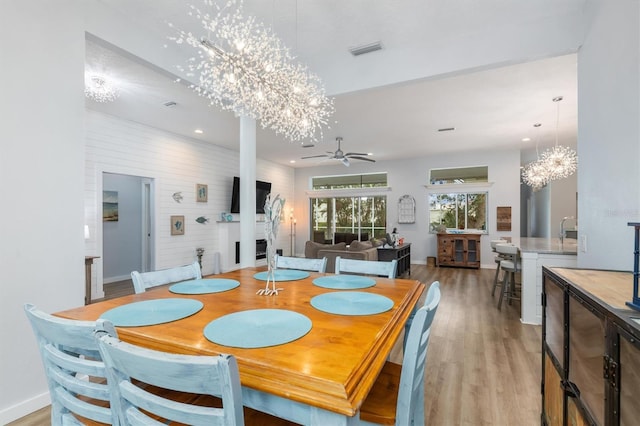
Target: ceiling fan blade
{"x":348,"y":154}
{"x":314,"y":156}
{"x":363,"y":158}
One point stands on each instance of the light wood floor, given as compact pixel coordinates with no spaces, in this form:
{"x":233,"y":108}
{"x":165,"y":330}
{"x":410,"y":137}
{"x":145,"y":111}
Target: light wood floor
{"x":483,"y":365}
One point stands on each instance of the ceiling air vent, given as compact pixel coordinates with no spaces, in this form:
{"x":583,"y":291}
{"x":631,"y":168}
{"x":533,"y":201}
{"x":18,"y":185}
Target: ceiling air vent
{"x":365,"y":48}
{"x":169,"y":104}
{"x":447,"y":129}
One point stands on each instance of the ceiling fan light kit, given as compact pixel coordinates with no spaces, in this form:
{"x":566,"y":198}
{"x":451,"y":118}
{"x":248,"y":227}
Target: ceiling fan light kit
{"x":343,"y":157}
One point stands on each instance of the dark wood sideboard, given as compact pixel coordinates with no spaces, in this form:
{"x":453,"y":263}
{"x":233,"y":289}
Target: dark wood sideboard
{"x":401,"y":253}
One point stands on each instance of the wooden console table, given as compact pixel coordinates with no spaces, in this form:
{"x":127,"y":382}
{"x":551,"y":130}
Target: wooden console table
{"x":88,"y":261}
{"x":401,"y":253}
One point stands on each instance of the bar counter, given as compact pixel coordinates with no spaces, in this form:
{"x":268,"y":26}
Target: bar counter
{"x":536,"y":253}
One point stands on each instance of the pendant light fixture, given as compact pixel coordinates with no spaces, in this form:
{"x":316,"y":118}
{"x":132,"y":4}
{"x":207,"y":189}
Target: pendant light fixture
{"x":560,"y":161}
{"x":241,"y":65}
{"x":535,"y":174}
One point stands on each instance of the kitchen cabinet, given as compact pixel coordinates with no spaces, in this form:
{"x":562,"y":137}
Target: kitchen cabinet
{"x":462,"y":250}
{"x":590,"y":348}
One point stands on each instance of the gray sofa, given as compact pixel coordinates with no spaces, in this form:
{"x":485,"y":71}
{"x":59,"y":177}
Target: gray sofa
{"x":360,"y":250}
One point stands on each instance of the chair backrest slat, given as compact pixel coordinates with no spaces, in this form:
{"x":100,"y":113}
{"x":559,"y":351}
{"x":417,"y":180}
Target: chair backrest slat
{"x":302,"y":263}
{"x":202,"y":375}
{"x":411,"y":390}
{"x":369,"y":267}
{"x":144,"y":280}
{"x":75,"y":372}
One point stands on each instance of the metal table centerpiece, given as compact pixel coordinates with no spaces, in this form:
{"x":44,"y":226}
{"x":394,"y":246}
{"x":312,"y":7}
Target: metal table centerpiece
{"x":272,"y":211}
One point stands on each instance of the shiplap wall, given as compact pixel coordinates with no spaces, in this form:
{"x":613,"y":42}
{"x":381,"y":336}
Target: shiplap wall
{"x":174,"y":163}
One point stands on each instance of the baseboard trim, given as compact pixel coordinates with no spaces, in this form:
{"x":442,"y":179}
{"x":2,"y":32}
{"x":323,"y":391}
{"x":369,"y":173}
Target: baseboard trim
{"x":20,"y":410}
{"x":116,"y":279}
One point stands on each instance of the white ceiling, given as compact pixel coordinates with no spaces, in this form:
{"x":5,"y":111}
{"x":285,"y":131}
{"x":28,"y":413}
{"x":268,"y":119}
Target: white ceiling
{"x":490,"y":69}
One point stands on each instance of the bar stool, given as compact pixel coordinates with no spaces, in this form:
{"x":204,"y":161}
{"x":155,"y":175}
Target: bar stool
{"x":510,"y":265}
{"x":498,"y":258}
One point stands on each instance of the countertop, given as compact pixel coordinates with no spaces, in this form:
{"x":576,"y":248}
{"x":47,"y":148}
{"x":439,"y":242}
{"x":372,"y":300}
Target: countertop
{"x":549,"y":246}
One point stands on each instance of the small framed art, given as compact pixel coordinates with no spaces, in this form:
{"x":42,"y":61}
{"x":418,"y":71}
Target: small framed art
{"x":202,"y":193}
{"x":177,"y":225}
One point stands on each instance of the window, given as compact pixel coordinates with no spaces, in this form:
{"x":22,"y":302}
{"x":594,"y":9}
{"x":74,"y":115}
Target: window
{"x":460,"y":175}
{"x":369,"y":180}
{"x":462,"y":211}
{"x":357,"y":214}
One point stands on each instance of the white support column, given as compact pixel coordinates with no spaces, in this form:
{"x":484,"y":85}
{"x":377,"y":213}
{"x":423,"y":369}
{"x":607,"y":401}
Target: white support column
{"x":247,"y":192}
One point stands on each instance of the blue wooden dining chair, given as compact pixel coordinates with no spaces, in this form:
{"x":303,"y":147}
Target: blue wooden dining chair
{"x":397,"y":396}
{"x":144,"y":280}
{"x":302,"y":263}
{"x":369,"y":267}
{"x":75,"y":372}
{"x":431,"y":294}
{"x":201,"y":375}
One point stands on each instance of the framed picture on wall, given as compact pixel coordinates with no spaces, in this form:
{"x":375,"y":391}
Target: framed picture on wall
{"x":177,"y":225}
{"x":202,"y":193}
{"x":109,"y":206}
{"x":503,"y":218}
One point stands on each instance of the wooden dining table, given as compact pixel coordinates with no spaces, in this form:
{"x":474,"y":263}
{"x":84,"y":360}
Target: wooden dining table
{"x":321,"y":378}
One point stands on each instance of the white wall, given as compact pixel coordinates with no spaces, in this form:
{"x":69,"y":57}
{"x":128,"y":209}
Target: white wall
{"x":609,"y":135}
{"x":410,"y":177}
{"x":41,"y":182}
{"x":176,"y":164}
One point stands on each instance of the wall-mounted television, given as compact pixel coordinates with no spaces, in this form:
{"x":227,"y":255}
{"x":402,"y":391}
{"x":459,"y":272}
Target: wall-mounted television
{"x":262,"y":190}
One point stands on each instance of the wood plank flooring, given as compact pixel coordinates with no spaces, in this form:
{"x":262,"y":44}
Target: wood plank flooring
{"x":483,"y":365}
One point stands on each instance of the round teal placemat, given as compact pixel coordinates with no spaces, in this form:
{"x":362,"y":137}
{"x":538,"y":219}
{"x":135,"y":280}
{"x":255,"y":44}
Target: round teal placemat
{"x":203,"y":286}
{"x":352,"y":303}
{"x":344,"y":282}
{"x":257,"y":328}
{"x":283,"y":275}
{"x":151,"y":312}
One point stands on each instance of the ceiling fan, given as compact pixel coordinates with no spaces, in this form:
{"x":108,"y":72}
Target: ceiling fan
{"x":342,"y":156}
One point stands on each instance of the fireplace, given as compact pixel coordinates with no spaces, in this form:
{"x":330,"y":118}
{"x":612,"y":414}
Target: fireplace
{"x":261,"y":250}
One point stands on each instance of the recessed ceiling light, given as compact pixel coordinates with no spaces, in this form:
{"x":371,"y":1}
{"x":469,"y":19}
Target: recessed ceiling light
{"x":526,"y":139}
{"x":198,"y":131}
{"x":292,"y":161}
{"x":369,"y":153}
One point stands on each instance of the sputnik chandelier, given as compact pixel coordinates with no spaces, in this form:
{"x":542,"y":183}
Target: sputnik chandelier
{"x":561,"y":161}
{"x":100,"y":89}
{"x":555,"y":163}
{"x":535,"y":173}
{"x":242,"y":66}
